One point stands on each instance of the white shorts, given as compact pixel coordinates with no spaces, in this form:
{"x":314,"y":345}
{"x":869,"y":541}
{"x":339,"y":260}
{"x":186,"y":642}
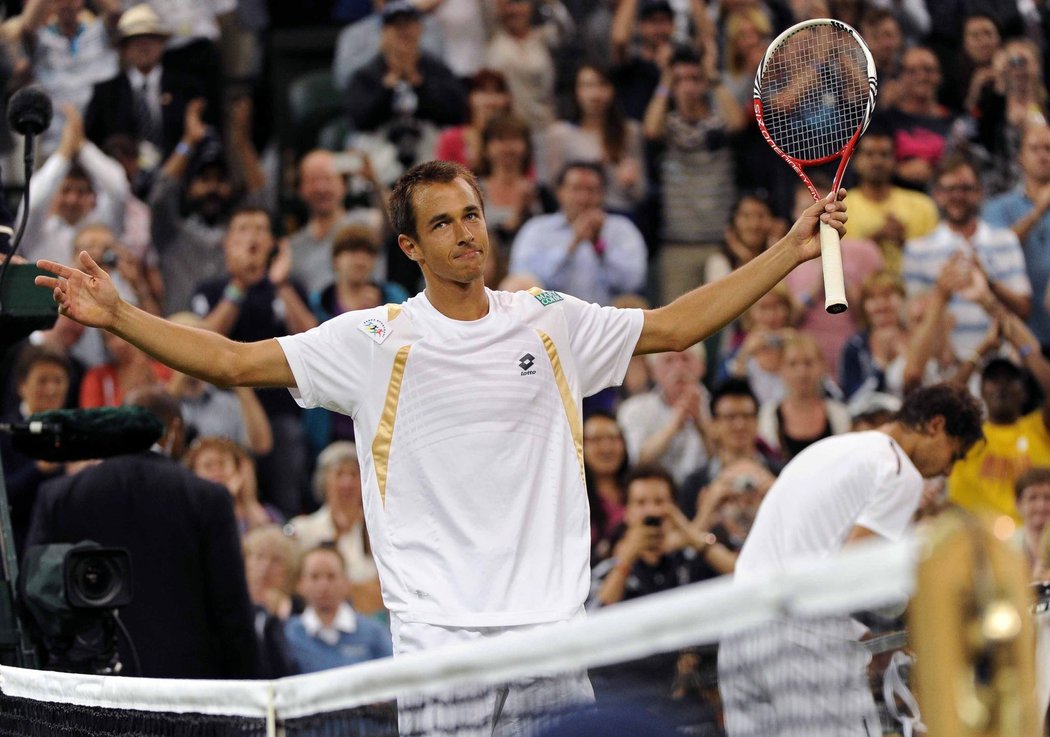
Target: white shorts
{"x":788,"y":680}
{"x":518,"y":709}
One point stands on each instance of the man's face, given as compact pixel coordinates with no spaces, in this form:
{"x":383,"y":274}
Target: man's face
{"x":44,"y":387}
{"x":647,"y":498}
{"x":209,"y":193}
{"x":1035,"y":154}
{"x":656,"y":29}
{"x":885,"y":40}
{"x":958,"y":195}
{"x":673,"y":372}
{"x":736,"y":423}
{"x":322,"y":582}
{"x":920,"y":74}
{"x":581,"y":190}
{"x":402,"y":34}
{"x":321,"y":187}
{"x":1004,"y":396}
{"x":874,"y":161}
{"x":248,"y":244}
{"x":75,"y":199}
{"x":936,"y":451}
{"x":980,"y":39}
{"x":66,"y":11}
{"x":688,"y":82}
{"x":143,"y":52}
{"x":452,"y":242}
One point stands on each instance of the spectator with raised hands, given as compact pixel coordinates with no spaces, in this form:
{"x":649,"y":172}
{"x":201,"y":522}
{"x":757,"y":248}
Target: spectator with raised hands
{"x":1014,"y":441}
{"x":697,"y":175}
{"x":882,"y":31}
{"x":641,"y":40}
{"x":971,"y":68}
{"x":193,"y":195}
{"x":748,"y":32}
{"x":69,"y":50}
{"x":660,"y":549}
{"x":728,"y":504}
{"x":667,"y":426}
{"x":77,"y":184}
{"x":756,"y":350}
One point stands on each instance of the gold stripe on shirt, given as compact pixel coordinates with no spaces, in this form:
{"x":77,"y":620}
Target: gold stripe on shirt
{"x":392,"y":311}
{"x":385,"y":434}
{"x":571,"y":413}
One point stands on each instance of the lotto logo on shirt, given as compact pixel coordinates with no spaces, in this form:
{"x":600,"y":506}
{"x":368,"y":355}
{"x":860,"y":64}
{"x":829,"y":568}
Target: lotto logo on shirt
{"x":375,"y":329}
{"x":548,"y":298}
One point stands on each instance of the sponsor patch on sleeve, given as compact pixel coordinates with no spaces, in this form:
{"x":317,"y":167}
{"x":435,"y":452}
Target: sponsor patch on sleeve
{"x":548,"y":297}
{"x":375,"y":329}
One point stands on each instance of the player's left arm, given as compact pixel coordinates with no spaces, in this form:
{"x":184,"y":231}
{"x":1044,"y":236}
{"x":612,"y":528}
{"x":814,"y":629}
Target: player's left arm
{"x":707,"y":309}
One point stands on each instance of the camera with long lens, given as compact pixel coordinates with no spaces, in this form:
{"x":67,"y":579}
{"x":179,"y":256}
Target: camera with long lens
{"x":70,"y":595}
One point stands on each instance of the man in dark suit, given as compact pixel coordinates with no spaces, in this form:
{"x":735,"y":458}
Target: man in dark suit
{"x":146,"y":100}
{"x":191,"y":616}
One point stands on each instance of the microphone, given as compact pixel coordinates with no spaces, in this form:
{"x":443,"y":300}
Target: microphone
{"x":81,"y":434}
{"x":30,"y":111}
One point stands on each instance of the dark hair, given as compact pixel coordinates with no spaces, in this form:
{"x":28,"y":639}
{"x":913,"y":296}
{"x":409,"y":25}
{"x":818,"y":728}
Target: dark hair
{"x":31,"y":355}
{"x":986,"y":16}
{"x":578,"y":164}
{"x":77,"y":171}
{"x":502,"y":126}
{"x":402,"y":207}
{"x":598,"y":515}
{"x":650,"y":471}
{"x":684,"y":55}
{"x":961,"y":411}
{"x":1031,"y":477}
{"x":732,"y":387}
{"x":158,"y":401}
{"x":952,"y":162}
{"x":488,"y":79}
{"x":614,"y":123}
{"x":250,"y":210}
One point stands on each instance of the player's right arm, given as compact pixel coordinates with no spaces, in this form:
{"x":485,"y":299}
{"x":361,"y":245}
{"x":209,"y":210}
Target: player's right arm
{"x":88,"y":296}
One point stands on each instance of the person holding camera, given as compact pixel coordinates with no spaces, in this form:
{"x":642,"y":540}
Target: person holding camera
{"x":659,"y":548}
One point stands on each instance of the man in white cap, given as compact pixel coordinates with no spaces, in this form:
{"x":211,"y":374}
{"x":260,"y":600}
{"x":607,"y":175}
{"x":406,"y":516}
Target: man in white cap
{"x":146,"y":100}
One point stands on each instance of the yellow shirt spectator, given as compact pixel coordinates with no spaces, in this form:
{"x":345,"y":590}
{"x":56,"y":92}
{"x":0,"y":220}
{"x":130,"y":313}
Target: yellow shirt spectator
{"x":983,"y":481}
{"x":915,"y":211}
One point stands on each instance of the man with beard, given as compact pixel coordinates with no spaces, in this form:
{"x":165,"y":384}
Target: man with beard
{"x":880,"y":210}
{"x":995,"y":255}
{"x":1026,"y":211}
{"x":192,"y":198}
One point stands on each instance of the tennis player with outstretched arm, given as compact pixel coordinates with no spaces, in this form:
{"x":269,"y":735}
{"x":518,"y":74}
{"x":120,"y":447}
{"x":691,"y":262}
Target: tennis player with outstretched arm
{"x":806,"y":678}
{"x":466,"y":404}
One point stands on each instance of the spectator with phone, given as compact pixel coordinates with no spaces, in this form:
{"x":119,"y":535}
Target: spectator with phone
{"x":659,"y":548}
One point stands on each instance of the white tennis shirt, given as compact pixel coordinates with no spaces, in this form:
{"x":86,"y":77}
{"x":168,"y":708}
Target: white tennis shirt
{"x":469,"y":436}
{"x":859,"y":478}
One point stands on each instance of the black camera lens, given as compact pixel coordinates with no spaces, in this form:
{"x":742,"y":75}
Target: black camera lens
{"x":652,"y":521}
{"x":95,"y":581}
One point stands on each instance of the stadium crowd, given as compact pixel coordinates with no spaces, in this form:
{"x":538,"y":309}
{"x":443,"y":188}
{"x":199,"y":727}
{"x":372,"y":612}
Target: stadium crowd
{"x":618,"y":152}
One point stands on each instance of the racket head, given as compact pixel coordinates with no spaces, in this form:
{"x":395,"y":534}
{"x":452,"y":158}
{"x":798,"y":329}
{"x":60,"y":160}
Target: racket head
{"x":814,"y":94}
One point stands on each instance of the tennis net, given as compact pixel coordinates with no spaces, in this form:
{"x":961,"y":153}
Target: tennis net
{"x":652,"y":665}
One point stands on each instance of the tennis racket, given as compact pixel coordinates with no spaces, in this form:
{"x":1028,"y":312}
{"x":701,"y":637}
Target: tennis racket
{"x":814,"y":94}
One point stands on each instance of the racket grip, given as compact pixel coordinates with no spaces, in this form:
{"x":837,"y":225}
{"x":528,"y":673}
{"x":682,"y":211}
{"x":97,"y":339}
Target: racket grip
{"x":831,"y":261}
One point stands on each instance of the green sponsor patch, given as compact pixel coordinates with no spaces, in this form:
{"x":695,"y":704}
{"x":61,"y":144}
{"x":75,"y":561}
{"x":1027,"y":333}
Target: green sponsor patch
{"x":548,"y":298}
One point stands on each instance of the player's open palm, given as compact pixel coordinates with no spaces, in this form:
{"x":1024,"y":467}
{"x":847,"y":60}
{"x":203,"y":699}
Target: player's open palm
{"x":86,"y":295}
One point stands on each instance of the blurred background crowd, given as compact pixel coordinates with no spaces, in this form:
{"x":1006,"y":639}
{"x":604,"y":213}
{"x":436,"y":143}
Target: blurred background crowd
{"x":227,"y":162}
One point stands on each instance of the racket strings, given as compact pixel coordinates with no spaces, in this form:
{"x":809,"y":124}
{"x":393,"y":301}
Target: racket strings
{"x":815,"y":92}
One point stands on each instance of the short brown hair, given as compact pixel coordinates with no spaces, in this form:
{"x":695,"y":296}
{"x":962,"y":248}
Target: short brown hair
{"x":402,"y":205}
{"x":32,"y":355}
{"x":1032,"y":477}
{"x":355,"y":237}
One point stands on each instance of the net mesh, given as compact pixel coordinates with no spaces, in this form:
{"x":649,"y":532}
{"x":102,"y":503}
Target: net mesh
{"x":682,"y":662}
{"x":815,"y":91}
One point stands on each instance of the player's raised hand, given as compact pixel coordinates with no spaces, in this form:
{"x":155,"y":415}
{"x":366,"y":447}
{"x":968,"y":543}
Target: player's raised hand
{"x":86,"y":295}
{"x":804,"y":234}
